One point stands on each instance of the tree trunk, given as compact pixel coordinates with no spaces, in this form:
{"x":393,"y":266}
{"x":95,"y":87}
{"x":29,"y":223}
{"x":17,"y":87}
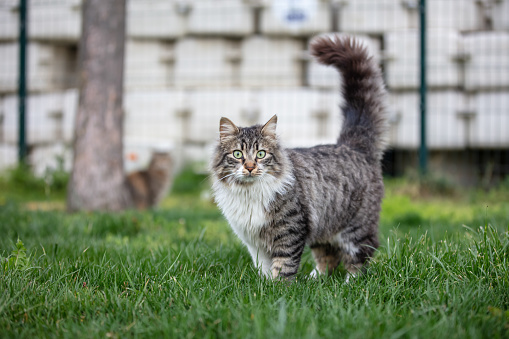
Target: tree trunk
{"x":97,"y":180}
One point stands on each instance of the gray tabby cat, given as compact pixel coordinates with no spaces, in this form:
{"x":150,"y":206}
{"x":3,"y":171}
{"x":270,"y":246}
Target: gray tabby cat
{"x":278,"y":200}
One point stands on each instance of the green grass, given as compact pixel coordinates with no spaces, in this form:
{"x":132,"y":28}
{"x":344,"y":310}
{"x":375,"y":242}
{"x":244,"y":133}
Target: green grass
{"x":442,"y":271}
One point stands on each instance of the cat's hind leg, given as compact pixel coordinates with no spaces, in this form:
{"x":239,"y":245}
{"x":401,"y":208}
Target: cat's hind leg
{"x":355,"y":251}
{"x":327,"y":258}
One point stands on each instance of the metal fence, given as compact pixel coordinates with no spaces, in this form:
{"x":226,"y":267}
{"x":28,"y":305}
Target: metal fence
{"x":189,"y":62}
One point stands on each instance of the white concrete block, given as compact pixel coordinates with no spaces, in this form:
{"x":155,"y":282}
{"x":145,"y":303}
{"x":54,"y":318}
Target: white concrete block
{"x":402,"y":66}
{"x":374,"y":16}
{"x":465,"y":15}
{"x":9,"y":20}
{"x":221,"y":17}
{"x":321,"y":76}
{"x":55,"y":20}
{"x":51,"y":67}
{"x":404,"y":120}
{"x":499,"y":12}
{"x":206,"y":107}
{"x":271,"y":62}
{"x":305,"y":117}
{"x":45,"y":116}
{"x":491,"y":120}
{"x":445,"y":127}
{"x":44,"y":158}
{"x":9,"y":120}
{"x":205,"y":62}
{"x":148,"y":64}
{"x":150,"y":116}
{"x":8,"y":156}
{"x":2,"y":119}
{"x":157,"y":18}
{"x":487,"y":65}
{"x":70,"y":109}
{"x":277,"y":19}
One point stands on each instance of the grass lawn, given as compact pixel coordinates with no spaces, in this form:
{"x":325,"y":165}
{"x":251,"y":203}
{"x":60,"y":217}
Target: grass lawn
{"x":442,"y":271}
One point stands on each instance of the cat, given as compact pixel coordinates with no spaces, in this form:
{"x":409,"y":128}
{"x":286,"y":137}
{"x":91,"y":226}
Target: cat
{"x":278,"y":200}
{"x":148,"y":187}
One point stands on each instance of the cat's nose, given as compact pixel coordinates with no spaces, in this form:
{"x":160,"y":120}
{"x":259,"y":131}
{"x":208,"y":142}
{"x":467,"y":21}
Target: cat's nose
{"x":249,"y":165}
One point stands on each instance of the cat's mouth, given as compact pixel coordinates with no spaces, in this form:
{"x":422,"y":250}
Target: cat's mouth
{"x":248,"y":177}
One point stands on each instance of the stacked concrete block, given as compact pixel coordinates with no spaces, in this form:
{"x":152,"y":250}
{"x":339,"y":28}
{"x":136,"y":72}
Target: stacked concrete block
{"x":499,"y":11}
{"x":70,"y":109}
{"x":378,"y":17}
{"x":55,"y":20}
{"x":320,"y":76}
{"x":206,"y":107}
{"x":487,"y":64}
{"x":51,"y":67}
{"x":271,"y":62}
{"x":489,"y":126}
{"x":44,"y":158}
{"x":206,"y":62}
{"x":2,"y":119}
{"x":375,"y":16}
{"x":49,"y":117}
{"x":404,"y":120}
{"x":465,"y":15}
{"x":189,"y":62}
{"x":276,"y":19}
{"x":151,"y":118}
{"x":8,"y":156}
{"x":447,"y":127}
{"x":305,"y":117}
{"x":163,"y":19}
{"x":9,"y":20}
{"x":402,"y":64}
{"x":148,"y":64}
{"x":229,"y":18}
{"x":446,"y":124}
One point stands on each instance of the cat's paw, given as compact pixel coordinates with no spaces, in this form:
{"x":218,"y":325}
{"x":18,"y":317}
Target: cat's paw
{"x":314,"y":273}
{"x":350,"y":277}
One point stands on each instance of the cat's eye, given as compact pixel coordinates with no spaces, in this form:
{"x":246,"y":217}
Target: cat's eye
{"x":237,"y":154}
{"x":261,"y":154}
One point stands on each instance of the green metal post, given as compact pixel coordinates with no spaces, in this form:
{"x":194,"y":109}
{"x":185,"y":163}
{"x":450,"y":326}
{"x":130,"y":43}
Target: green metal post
{"x":22,"y":144}
{"x":423,"y":151}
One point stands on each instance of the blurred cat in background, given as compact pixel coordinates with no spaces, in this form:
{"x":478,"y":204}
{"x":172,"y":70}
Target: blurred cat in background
{"x":148,"y":187}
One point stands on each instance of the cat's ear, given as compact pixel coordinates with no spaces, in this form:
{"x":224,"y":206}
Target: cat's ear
{"x":270,"y":127}
{"x":227,"y":128}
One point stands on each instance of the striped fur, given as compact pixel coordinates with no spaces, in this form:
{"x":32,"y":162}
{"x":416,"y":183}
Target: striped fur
{"x":327,"y":196}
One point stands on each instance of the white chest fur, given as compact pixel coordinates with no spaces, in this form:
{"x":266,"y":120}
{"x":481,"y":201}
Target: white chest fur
{"x":246,"y":206}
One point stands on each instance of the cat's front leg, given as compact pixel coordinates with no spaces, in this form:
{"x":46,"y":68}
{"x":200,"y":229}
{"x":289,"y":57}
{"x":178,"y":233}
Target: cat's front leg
{"x":261,"y":259}
{"x":287,"y":252}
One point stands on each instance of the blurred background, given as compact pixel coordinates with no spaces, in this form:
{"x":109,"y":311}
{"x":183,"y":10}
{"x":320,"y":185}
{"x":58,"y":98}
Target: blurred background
{"x":189,"y":62}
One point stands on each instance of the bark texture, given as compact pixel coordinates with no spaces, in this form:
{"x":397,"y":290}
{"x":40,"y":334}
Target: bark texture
{"x":98,"y":180}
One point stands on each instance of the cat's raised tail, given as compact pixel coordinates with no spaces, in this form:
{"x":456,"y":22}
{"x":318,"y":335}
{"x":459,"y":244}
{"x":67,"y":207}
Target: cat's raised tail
{"x":365,"y":121}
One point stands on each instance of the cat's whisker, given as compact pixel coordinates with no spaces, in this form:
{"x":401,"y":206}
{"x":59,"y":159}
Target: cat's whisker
{"x":226,"y":176}
{"x":208,"y":177}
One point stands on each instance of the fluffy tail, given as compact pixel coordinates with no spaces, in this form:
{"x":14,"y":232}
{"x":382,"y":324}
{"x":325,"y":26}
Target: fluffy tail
{"x":365,"y":122}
